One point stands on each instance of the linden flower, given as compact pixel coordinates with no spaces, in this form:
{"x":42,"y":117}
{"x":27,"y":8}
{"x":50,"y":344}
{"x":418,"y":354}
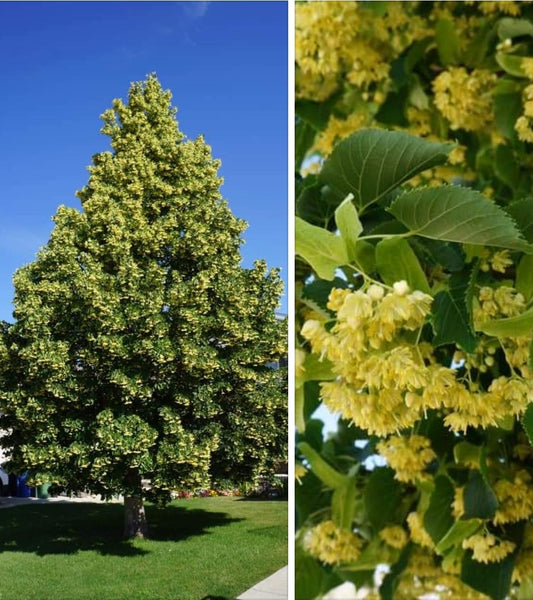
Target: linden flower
{"x":465,"y":99}
{"x":523,"y":129}
{"x":488,"y":548}
{"x":500,"y":260}
{"x":408,"y":456}
{"x":515,"y":498}
{"x":394,"y":536}
{"x":331,"y":544}
{"x":527,"y":66}
{"x":336,"y":130}
{"x":507,"y":7}
{"x":315,"y":332}
{"x":458,"y":505}
{"x":418,"y":534}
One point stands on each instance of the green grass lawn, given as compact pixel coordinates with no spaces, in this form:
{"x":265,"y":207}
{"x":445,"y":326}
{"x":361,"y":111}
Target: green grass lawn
{"x":199,"y":548}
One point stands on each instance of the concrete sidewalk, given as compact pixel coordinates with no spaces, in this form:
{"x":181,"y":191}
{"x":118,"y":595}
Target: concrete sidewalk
{"x":8,"y":501}
{"x":274,"y":587}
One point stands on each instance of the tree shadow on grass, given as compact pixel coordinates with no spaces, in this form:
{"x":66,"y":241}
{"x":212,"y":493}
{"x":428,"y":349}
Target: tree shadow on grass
{"x":70,"y":528}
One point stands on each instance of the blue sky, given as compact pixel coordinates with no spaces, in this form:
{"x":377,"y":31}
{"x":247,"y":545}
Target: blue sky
{"x":64,"y":62}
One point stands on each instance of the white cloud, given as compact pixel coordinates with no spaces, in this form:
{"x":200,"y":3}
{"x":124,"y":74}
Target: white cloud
{"x":195,"y":9}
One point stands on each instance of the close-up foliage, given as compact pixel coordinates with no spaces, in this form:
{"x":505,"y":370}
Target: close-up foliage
{"x":414,"y":290}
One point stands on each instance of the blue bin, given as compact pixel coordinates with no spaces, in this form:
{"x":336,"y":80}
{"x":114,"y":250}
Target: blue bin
{"x":23,"y":491}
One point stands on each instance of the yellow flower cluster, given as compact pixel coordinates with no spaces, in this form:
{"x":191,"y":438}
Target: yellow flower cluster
{"x":331,"y":544}
{"x":423,"y":578}
{"x":505,"y":396}
{"x":324,"y":33}
{"x":497,"y":261}
{"x":487,"y":548}
{"x":507,"y":7}
{"x":504,"y":302}
{"x":395,"y":536}
{"x":345,"y":39}
{"x":378,"y":374}
{"x":418,"y":534}
{"x":465,"y":99}
{"x":384,"y":384}
{"x":515,"y":498}
{"x":337,"y":129}
{"x":524,"y":123}
{"x":458,"y":505}
{"x":408,"y":456}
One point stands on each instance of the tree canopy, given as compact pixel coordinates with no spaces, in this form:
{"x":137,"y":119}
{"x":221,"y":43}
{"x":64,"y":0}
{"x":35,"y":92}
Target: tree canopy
{"x":140,"y":348}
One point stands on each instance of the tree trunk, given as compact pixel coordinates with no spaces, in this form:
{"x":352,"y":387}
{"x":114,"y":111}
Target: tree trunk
{"x":135,"y":524}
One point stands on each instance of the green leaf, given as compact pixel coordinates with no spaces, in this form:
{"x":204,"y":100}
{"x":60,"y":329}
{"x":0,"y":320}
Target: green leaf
{"x":381,"y":497}
{"x":511,"y":28}
{"x":527,"y":422}
{"x":318,"y":291}
{"x":299,"y":400}
{"x":493,"y":579}
{"x":509,"y":327}
{"x":451,"y":319}
{"x":507,"y":109}
{"x":349,"y":226}
{"x":309,"y":496}
{"x":374,"y":554}
{"x":343,"y":504}
{"x":390,"y":582}
{"x":311,"y":402}
{"x":311,"y":201}
{"x":372,"y":162}
{"x":438,"y":517}
{"x":323,"y":250}
{"x":315,"y":114}
{"x":457,"y":214}
{"x":317,"y":369}
{"x":524,"y":277}
{"x":443,"y":253}
{"x":466,"y":452}
{"x":507,"y":169}
{"x":457,"y":533}
{"x":525,"y":591}
{"x":378,"y":7}
{"x":365,"y":256}
{"x":471,"y":291}
{"x":522,"y":213}
{"x":392,"y":112}
{"x":396,"y":261}
{"x":506,"y":85}
{"x":478,"y":47}
{"x":479,"y":499}
{"x":448,"y":42}
{"x":324,"y":471}
{"x":510,"y":64}
{"x":303,"y":139}
{"x":309,"y":575}
{"x":417,"y":95}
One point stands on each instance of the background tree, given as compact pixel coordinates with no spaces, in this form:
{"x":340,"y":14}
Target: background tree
{"x":140,"y":346}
